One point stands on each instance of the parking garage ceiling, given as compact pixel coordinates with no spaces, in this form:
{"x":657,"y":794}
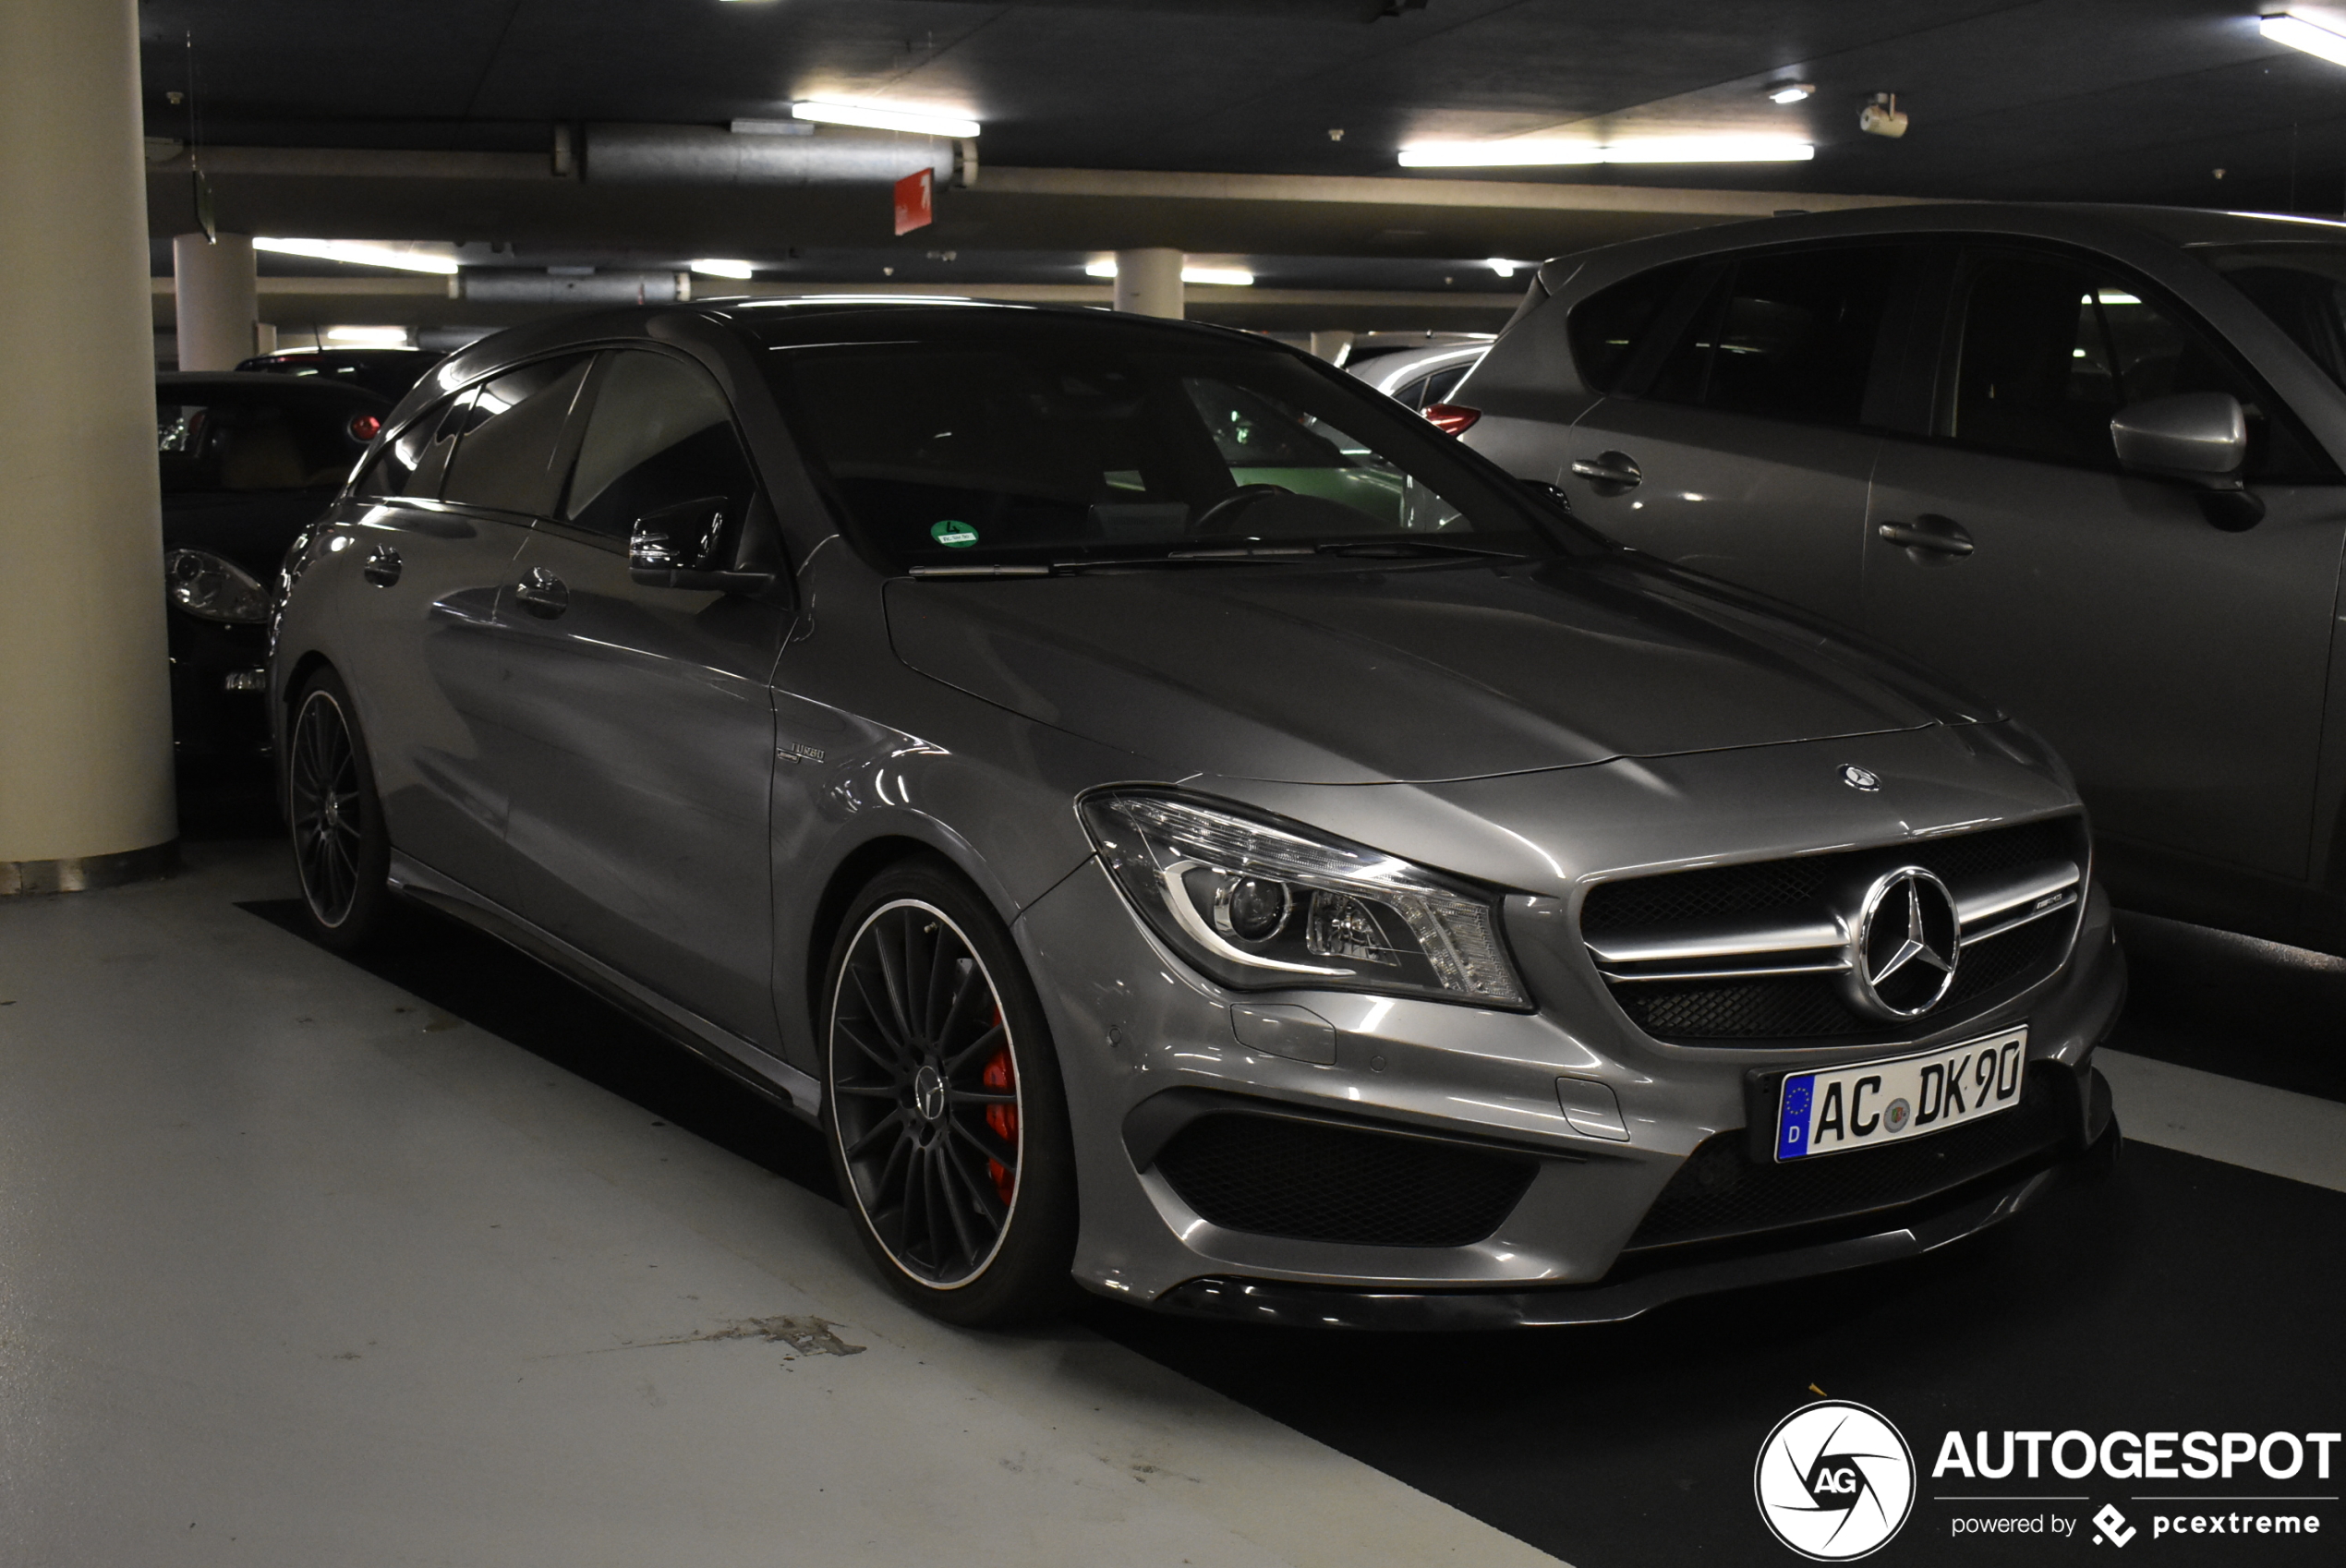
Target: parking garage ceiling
{"x":1269,"y":129}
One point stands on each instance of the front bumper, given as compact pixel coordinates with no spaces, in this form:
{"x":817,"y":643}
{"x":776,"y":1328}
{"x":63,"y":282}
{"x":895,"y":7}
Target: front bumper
{"x":1146,"y":1046}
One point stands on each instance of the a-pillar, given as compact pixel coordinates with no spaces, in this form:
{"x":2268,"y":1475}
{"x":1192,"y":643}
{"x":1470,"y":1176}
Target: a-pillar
{"x":217,"y":306}
{"x":85,"y":709}
{"x":1148,"y":282}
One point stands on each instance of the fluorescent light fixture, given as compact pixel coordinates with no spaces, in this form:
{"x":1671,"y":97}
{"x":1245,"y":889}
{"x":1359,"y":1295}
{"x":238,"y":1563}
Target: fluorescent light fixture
{"x":368,"y":337}
{"x":2299,"y":34}
{"x":1230,"y":277}
{"x":362,"y":253}
{"x":717,"y":266}
{"x":877,"y":116}
{"x":1538,"y":152}
{"x":1791,"y":91}
{"x":1505,"y":268}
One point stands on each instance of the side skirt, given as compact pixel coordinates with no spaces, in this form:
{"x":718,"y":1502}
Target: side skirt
{"x":760,"y":1070}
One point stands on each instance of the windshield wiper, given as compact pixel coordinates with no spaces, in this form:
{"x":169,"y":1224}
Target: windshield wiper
{"x":1236,"y":555}
{"x":1410,"y":544}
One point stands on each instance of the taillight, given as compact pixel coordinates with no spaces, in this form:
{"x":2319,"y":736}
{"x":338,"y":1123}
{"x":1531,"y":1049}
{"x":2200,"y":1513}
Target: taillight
{"x":1452,"y":418}
{"x":364,"y":426}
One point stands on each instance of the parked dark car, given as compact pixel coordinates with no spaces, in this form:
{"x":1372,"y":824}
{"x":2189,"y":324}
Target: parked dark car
{"x":2089,"y":462}
{"x":387,"y":372}
{"x":245,"y":461}
{"x":1181,"y":823}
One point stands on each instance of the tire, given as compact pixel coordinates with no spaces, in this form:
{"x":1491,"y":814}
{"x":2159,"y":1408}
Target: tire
{"x":341,"y":848}
{"x":942,"y":1105}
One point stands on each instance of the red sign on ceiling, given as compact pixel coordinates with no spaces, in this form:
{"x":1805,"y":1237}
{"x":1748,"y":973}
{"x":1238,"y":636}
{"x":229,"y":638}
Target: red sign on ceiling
{"x":914,"y":204}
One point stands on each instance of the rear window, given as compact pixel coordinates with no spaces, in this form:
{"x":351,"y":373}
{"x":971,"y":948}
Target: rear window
{"x":1056,"y":444}
{"x":248,"y":443}
{"x":1609,"y":326}
{"x":1791,"y":336}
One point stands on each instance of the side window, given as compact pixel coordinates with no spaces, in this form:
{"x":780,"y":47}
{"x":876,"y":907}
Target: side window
{"x":2050,"y":348}
{"x":511,"y":432}
{"x":1608,"y":326}
{"x":1412,"y":392}
{"x":1791,"y":336}
{"x":412,"y":465}
{"x":660,"y":434}
{"x":1442,"y":384}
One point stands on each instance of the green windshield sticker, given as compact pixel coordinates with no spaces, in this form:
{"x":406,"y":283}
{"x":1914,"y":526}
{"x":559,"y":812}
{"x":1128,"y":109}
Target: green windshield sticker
{"x":954,"y":535}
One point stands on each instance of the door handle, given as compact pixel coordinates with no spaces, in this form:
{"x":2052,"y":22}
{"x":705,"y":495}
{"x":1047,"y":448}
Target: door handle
{"x":382,"y":566}
{"x":1610,"y":472}
{"x":1936,"y":534}
{"x":542,"y":594}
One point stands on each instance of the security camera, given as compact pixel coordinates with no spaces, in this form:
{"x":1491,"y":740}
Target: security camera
{"x":1882,"y":116}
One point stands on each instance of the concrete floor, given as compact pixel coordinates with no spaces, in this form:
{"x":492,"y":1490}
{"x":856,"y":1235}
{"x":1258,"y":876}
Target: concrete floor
{"x":300,"y":1263}
{"x":295,"y":1269}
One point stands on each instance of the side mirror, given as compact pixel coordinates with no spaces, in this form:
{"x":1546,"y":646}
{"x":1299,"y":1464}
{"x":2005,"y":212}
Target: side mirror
{"x":691,"y":545}
{"x":2198,"y":437}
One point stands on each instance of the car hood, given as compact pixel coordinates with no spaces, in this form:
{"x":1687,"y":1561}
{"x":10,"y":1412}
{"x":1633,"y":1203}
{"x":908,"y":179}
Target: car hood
{"x":1318,"y":674}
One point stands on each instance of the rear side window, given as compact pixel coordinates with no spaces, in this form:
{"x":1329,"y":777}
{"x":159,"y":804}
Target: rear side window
{"x":661,"y":434}
{"x":509,"y":435}
{"x":411,"y":467}
{"x":245,"y":444}
{"x":1791,"y":336}
{"x":1609,"y":326}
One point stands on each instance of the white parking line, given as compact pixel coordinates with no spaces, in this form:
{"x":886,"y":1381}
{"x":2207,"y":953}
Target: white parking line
{"x":2284,"y":1134}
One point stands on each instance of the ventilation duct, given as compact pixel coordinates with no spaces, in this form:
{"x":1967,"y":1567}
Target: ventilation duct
{"x":632,"y":155}
{"x":514,"y":286}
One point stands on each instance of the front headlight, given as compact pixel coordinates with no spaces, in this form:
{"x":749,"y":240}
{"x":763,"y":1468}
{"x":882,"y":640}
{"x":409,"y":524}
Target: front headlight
{"x":1258,"y":904}
{"x":203,"y":585}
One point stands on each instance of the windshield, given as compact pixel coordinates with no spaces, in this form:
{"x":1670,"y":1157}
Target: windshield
{"x":1044,"y":445}
{"x":2302,"y":287}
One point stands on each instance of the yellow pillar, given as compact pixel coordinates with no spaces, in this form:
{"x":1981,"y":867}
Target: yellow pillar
{"x":85,"y":709}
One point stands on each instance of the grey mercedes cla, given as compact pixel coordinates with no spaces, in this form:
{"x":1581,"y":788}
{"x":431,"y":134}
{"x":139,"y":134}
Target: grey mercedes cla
{"x":1182,"y":826}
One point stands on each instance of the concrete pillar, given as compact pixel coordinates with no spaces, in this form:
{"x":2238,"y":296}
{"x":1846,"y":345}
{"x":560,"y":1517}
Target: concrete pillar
{"x":1333,"y":347}
{"x":1149,"y":282}
{"x":264,"y":338}
{"x":85,"y":709}
{"x":213,"y":282}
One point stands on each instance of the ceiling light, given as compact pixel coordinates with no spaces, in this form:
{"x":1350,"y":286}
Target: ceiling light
{"x":361,"y":253}
{"x":1505,"y":268}
{"x":874,"y":116}
{"x":716,"y":267}
{"x":1230,"y":277}
{"x":1790,"y":92}
{"x":368,"y":337}
{"x":1531,"y":151}
{"x":2299,"y":34}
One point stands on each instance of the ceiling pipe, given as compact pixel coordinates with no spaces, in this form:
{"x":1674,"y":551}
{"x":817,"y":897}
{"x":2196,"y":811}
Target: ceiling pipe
{"x":513,"y":287}
{"x":640,"y":154}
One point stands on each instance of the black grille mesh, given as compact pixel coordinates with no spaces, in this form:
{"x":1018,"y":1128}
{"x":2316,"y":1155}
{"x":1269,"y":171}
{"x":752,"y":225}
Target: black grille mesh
{"x":1723,"y":1190}
{"x":1311,"y":1182}
{"x":1810,"y":1006}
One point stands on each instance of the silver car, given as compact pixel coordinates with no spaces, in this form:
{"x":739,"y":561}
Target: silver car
{"x":1181,"y":826}
{"x":1420,"y":377}
{"x":2084,"y":461}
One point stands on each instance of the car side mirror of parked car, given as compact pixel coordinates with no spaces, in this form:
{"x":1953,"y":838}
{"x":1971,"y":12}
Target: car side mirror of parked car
{"x":693,"y":544}
{"x":2200,"y":439}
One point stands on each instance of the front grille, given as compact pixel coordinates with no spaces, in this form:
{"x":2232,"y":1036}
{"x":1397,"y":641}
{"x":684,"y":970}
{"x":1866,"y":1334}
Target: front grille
{"x":1309,"y":1181}
{"x":1723,"y":1190}
{"x":1779,"y":1008}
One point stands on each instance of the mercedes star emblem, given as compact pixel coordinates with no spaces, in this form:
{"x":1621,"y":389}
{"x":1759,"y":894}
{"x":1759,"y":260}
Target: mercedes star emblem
{"x":1859,"y":778}
{"x":1902,"y":953}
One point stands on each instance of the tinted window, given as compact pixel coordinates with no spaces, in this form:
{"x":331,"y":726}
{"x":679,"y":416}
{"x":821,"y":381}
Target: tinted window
{"x":1441,"y":384}
{"x":660,"y":434}
{"x":2302,"y":287}
{"x":411,"y":467}
{"x":510,"y":432}
{"x":1055,"y":444}
{"x":2050,"y":348}
{"x":1789,"y":336}
{"x":244,"y":443}
{"x":1609,"y":326}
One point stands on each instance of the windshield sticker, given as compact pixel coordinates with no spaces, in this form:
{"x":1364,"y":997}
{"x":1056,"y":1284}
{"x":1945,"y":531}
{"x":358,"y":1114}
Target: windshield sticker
{"x":953,"y":534}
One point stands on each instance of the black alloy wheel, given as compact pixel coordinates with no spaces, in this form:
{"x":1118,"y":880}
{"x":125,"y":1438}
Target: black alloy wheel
{"x":340,"y":848}
{"x":947,"y":1122}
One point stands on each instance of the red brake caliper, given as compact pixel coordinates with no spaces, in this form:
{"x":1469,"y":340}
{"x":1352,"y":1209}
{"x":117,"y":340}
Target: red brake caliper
{"x":1003,"y":1119}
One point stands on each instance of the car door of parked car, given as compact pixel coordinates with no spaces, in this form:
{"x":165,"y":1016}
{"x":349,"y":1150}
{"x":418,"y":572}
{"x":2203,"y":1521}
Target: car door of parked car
{"x":1736,"y":437}
{"x":419,"y":649}
{"x":643,"y":728}
{"x":2179,"y":668}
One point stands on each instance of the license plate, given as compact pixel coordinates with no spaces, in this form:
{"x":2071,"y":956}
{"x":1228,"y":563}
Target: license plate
{"x":1877,"y":1102}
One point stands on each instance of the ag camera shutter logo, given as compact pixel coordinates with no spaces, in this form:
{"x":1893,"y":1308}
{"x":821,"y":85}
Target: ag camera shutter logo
{"x":1835,"y":1481}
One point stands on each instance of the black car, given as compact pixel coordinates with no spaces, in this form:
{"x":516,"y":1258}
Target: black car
{"x":388,"y":372}
{"x":245,"y":461}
